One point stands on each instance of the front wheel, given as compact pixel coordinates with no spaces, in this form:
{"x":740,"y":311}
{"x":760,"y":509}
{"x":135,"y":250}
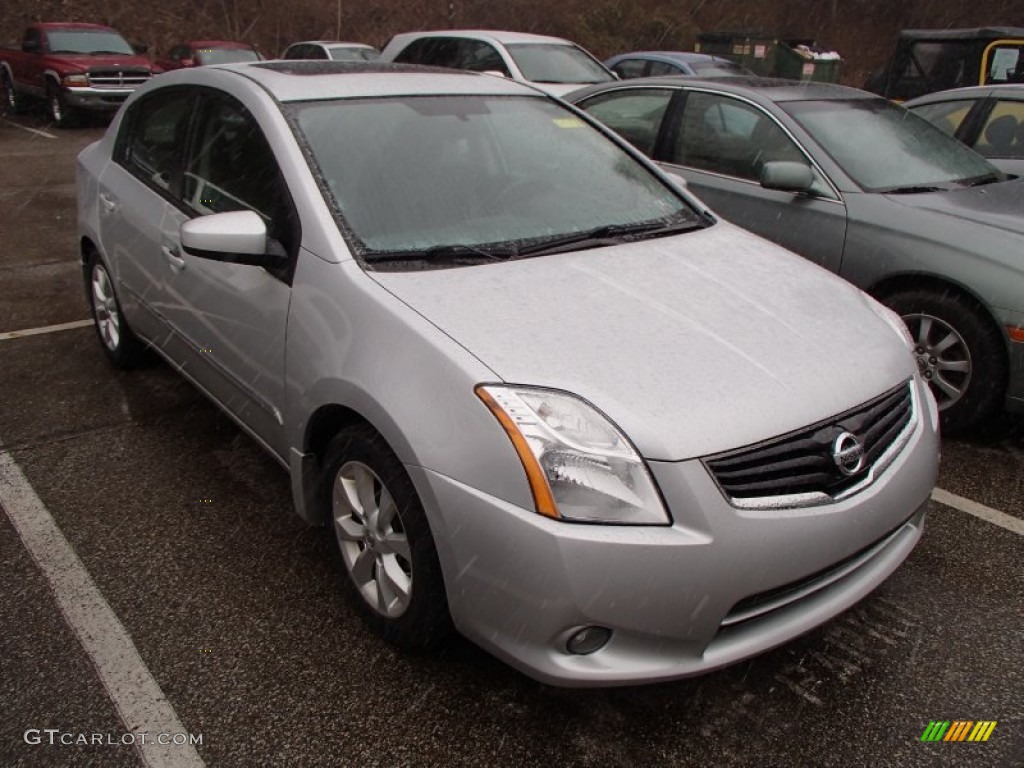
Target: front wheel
{"x":384,"y":541}
{"x":120,"y":344}
{"x":958,"y":353}
{"x":62,"y":115}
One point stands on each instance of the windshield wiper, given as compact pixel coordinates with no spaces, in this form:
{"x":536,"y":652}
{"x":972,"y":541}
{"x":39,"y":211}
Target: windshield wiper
{"x":987,"y":178}
{"x":113,"y":53}
{"x":611,"y":234}
{"x":914,"y":190}
{"x":450,"y":254}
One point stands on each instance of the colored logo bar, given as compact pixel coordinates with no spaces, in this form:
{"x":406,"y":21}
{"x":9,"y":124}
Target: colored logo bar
{"x":958,"y":730}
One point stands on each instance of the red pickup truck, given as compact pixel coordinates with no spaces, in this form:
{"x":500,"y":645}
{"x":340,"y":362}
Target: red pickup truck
{"x":74,"y":67}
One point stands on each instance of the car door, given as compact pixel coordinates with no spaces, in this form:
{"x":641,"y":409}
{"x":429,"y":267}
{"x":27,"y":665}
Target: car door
{"x":720,"y":143}
{"x":231,"y":317}
{"x":136,"y":194}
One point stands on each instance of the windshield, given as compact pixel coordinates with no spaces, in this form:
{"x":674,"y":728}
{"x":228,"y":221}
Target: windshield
{"x":884,"y":147}
{"x":87,"y":41}
{"x":347,"y":53}
{"x":226,"y":55}
{"x":414,"y":173}
{"x":557,"y":63}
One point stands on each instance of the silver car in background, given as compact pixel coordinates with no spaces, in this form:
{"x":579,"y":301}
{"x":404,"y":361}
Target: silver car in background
{"x":866,"y":189}
{"x":538,"y":392}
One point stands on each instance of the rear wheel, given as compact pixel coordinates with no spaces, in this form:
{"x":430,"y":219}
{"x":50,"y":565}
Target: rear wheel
{"x":120,"y":344}
{"x":959,"y":353}
{"x":62,"y":115}
{"x":384,"y":541}
{"x":12,"y":101}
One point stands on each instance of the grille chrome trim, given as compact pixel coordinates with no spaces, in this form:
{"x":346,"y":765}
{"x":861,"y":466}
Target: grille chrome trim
{"x":815,"y":498}
{"x":118,"y":78}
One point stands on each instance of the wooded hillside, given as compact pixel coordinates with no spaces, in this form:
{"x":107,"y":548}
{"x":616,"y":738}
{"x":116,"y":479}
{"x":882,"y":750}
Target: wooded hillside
{"x":863,"y":31}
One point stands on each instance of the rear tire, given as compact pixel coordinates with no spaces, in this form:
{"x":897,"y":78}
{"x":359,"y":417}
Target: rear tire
{"x":387,"y":552}
{"x":13,"y":103}
{"x":959,"y":353}
{"x":116,"y":337}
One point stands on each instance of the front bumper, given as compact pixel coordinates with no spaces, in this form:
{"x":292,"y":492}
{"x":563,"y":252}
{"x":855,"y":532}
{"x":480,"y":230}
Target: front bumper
{"x":97,"y":99}
{"x":1015,"y":379}
{"x":677,"y":598}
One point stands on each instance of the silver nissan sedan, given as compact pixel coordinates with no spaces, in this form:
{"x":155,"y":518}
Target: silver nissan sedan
{"x":540,"y":394}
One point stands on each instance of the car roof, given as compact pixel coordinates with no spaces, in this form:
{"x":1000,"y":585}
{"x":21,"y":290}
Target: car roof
{"x":758,"y":88}
{"x":1013,"y":91}
{"x":69,"y":25}
{"x":686,"y":56}
{"x":310,"y":80}
{"x":331,"y":42}
{"x":494,"y":35}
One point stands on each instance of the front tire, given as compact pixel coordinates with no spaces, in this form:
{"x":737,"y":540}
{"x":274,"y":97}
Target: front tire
{"x":62,"y":115}
{"x":116,"y":337}
{"x":959,"y":353}
{"x":387,"y":552}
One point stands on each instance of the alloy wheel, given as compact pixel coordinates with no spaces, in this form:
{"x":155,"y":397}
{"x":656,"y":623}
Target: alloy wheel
{"x":372,"y":539}
{"x":104,"y":304}
{"x":943,"y":357}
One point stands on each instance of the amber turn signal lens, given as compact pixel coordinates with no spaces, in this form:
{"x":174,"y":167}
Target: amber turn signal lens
{"x":1016,"y":334}
{"x":542,"y":498}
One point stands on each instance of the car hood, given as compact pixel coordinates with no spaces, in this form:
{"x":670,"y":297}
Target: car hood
{"x":999,"y":205}
{"x":85,"y":62}
{"x":692,"y":344}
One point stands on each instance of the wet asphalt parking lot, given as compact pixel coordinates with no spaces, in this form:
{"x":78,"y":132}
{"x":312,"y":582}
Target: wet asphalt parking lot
{"x":232,"y":617}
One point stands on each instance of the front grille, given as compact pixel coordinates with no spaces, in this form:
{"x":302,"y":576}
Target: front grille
{"x":118,"y":78}
{"x":803,"y":464}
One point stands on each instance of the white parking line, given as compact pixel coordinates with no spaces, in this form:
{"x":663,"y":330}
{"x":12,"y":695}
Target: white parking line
{"x":140,"y":703}
{"x":44,"y":329}
{"x":994,"y":516}
{"x":30,"y":130}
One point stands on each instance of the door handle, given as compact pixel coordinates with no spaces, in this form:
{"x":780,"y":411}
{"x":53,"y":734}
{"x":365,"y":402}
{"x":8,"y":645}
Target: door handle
{"x":177,"y":263}
{"x":109,"y":203}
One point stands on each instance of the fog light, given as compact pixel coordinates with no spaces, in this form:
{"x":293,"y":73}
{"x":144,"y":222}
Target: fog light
{"x":588,"y":640}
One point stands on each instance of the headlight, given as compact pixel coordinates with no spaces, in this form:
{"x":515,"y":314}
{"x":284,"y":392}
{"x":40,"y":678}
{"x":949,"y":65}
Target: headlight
{"x":579,"y":465}
{"x":75,"y":80}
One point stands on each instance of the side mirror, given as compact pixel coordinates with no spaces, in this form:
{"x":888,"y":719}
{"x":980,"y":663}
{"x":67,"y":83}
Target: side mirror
{"x":236,"y":237}
{"x":30,"y":46}
{"x":140,"y":48}
{"x":787,"y":176}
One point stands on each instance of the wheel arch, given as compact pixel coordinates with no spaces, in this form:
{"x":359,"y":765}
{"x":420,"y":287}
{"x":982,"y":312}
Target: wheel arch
{"x":306,"y":462}
{"x":908,"y":281}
